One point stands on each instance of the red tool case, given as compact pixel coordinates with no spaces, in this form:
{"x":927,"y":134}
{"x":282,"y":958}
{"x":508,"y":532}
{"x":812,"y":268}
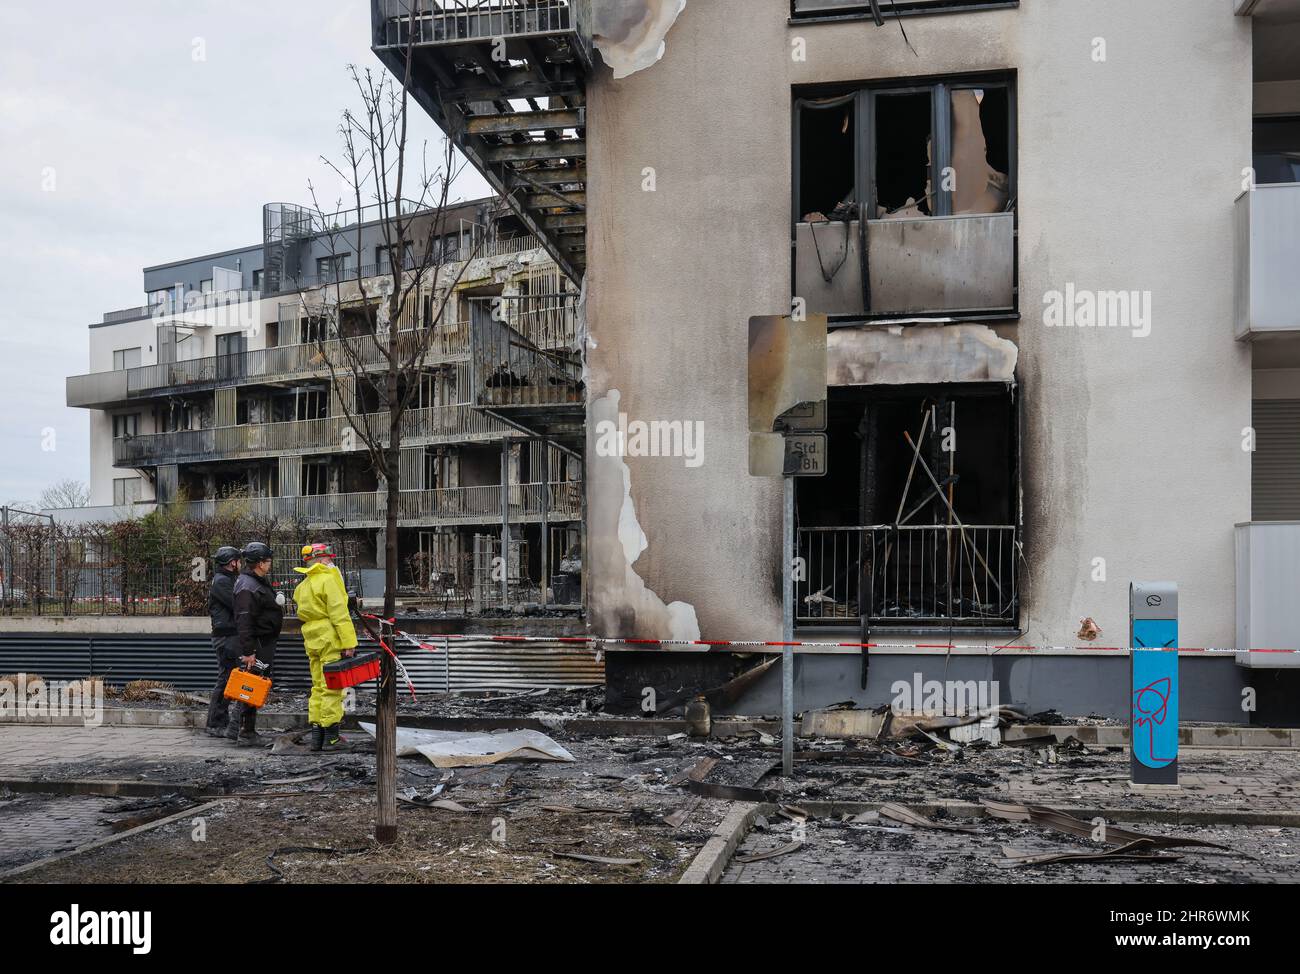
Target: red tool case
{"x":350,"y":671}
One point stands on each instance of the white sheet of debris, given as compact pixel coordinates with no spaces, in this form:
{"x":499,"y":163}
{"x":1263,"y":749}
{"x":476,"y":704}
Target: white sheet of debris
{"x":465,"y":749}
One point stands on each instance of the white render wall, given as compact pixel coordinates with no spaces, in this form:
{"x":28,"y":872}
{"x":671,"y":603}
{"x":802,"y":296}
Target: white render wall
{"x":1127,"y":173}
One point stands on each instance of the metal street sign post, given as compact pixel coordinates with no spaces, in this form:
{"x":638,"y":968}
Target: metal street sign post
{"x":805,"y":456}
{"x":787,"y":417}
{"x":1153,"y":683}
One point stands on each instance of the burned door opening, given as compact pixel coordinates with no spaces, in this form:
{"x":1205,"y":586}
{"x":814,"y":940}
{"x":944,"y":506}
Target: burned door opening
{"x":916,"y":524}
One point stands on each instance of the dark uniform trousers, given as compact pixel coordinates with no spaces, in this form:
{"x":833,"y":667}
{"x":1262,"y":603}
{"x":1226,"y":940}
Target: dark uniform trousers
{"x":227,"y":650}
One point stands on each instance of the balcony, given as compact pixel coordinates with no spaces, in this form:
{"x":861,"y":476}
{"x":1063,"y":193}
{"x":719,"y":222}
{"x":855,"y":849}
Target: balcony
{"x":1266,"y":297}
{"x":444,"y":507}
{"x":420,"y":427}
{"x":96,"y":390}
{"x":281,"y":364}
{"x":913,"y":576}
{"x":939,"y":265}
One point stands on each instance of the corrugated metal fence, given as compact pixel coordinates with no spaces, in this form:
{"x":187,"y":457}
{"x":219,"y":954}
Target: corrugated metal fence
{"x":187,"y":661}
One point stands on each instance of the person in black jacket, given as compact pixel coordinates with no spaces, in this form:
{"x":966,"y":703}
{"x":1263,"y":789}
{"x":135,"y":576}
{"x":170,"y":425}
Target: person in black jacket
{"x":221,"y":609}
{"x":259,"y":614}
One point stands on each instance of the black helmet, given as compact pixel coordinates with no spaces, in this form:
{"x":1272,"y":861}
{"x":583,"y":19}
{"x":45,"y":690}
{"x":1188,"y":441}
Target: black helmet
{"x":225,"y":555}
{"x":255,"y":551}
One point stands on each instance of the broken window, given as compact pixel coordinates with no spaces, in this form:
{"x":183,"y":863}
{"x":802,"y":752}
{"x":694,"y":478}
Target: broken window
{"x":916,"y":522}
{"x":902,"y":150}
{"x":827,"y":130}
{"x":906,"y":151}
{"x":315,"y":478}
{"x":302,"y":402}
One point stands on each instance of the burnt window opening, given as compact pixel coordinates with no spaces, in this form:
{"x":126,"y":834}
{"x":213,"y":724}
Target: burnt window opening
{"x":895,"y":536}
{"x":826,"y":157}
{"x":315,"y":478}
{"x":358,"y":320}
{"x":356,"y":474}
{"x":299,"y":403}
{"x":903,"y":169}
{"x":915,"y":151}
{"x":902,"y":149}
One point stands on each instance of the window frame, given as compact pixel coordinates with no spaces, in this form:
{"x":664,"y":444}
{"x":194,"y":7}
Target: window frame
{"x":861,"y":9}
{"x":138,"y":349}
{"x":865,"y":95}
{"x":134,"y":425}
{"x":124,"y":482}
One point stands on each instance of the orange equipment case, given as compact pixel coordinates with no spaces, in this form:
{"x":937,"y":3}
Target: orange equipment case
{"x":247,"y":687}
{"x":350,"y":671}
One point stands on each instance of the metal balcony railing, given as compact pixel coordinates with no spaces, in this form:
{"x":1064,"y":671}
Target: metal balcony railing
{"x":334,"y":434}
{"x":444,"y":506}
{"x":913,"y":575}
{"x":452,"y":21}
{"x":287,"y":361}
{"x":129,"y":314}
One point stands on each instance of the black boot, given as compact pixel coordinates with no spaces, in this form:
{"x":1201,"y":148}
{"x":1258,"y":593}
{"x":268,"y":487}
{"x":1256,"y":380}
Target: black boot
{"x":218,"y":714}
{"x":248,"y":735}
{"x":317,"y":737}
{"x":235,"y":721}
{"x":333,"y":740}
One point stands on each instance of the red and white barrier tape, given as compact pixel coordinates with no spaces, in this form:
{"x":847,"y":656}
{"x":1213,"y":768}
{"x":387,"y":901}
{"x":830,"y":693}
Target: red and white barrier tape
{"x":432,"y":646}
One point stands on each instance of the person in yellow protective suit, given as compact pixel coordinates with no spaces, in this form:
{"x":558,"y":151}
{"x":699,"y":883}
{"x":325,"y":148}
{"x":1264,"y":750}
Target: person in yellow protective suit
{"x":328,"y":635}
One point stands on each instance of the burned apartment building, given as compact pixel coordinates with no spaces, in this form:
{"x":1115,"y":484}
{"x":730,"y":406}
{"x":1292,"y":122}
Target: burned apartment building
{"x":218,"y":395}
{"x":1051,"y":241}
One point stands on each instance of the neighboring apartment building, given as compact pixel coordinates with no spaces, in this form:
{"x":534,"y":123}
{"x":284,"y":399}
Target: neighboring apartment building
{"x":217,"y":393}
{"x":1053,"y":301}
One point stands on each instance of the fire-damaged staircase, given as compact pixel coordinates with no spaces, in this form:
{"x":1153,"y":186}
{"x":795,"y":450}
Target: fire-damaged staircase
{"x":505,"y":80}
{"x":525,"y":366}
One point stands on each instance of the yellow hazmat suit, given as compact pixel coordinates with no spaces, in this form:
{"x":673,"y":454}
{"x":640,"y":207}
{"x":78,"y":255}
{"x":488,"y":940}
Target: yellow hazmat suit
{"x":326,"y":632}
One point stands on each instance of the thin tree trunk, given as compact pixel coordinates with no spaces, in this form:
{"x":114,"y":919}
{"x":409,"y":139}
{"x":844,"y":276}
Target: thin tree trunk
{"x":386,"y":705}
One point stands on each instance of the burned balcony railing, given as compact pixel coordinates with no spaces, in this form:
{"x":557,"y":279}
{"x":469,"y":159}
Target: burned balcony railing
{"x":434,"y":425}
{"x":285,"y":362}
{"x":909,"y":576}
{"x":445,"y":506}
{"x":455,"y":21}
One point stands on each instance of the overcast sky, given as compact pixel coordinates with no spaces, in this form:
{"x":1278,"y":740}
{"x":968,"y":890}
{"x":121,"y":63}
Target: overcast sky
{"x":135,"y":134}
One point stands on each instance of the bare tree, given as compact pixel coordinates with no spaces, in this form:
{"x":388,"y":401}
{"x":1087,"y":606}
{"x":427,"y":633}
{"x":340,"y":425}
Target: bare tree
{"x":66,"y":493}
{"x":374,"y":334}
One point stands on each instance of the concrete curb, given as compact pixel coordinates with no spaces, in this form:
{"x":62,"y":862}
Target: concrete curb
{"x":578,"y":726}
{"x":1223,"y":735}
{"x":106,"y":788}
{"x":710,"y":862}
{"x":1153,"y":816}
{"x":107,"y":840}
{"x":1220,"y":736}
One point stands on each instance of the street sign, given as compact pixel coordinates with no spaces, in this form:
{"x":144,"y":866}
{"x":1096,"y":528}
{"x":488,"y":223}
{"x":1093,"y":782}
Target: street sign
{"x":805,"y":455}
{"x":807,"y":417}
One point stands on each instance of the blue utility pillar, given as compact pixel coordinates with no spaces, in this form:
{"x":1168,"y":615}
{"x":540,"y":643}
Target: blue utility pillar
{"x":1153,"y":682}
